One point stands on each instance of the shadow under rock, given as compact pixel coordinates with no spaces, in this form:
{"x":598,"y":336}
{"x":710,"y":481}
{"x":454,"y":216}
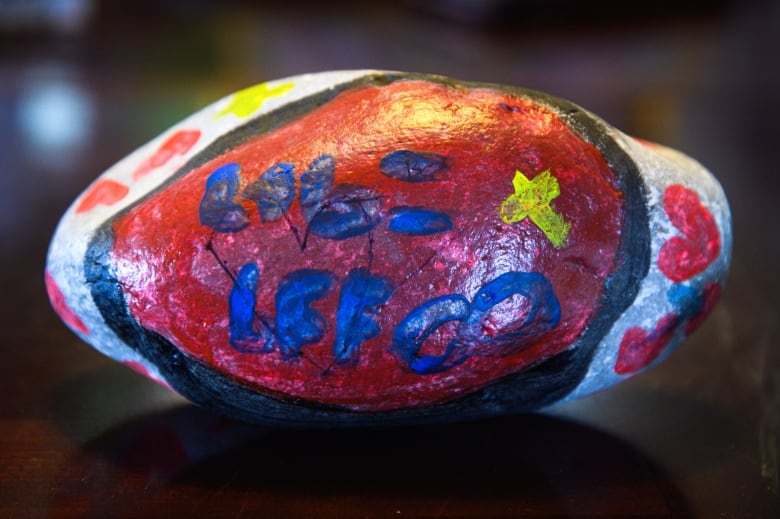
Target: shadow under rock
{"x":188,"y":460}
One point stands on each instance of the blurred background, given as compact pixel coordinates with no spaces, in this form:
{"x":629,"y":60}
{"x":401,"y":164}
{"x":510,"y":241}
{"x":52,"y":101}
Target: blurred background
{"x":84,"y":82}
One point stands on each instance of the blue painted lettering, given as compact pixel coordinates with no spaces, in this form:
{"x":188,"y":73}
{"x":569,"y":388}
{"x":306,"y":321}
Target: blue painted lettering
{"x":297,"y":323}
{"x":241,"y":310}
{"x":411,"y":333}
{"x":472,"y":339}
{"x":361,"y":294}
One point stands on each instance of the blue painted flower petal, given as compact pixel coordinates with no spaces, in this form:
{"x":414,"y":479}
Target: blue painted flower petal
{"x":274,"y":191}
{"x":411,"y":166}
{"x":347,"y":212}
{"x":227,"y":173}
{"x":418,"y":221}
{"x":315,"y":184}
{"x":217,"y":208}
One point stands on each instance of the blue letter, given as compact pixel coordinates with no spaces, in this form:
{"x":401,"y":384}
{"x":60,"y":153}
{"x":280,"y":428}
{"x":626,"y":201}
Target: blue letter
{"x":241,"y":310}
{"x":543,"y":316}
{"x":297,"y":323}
{"x":410,"y":334}
{"x":361,"y":293}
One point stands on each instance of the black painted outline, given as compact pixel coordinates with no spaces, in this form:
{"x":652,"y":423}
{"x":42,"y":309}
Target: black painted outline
{"x":540,"y":385}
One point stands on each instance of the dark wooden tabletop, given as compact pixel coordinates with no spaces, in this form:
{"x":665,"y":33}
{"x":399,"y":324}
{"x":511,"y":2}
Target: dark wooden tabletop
{"x":81,"y":436}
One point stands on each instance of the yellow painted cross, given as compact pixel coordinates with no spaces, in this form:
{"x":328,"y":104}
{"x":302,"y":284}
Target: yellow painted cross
{"x":531,"y":199}
{"x":248,"y":101}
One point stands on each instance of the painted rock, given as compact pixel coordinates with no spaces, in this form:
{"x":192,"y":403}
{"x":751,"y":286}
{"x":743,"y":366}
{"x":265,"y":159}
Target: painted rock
{"x":373,"y":247}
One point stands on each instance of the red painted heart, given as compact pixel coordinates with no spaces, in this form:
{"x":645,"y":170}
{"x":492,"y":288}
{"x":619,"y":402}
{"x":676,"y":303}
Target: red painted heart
{"x":710,"y":296}
{"x":639,"y":348}
{"x":105,"y":192}
{"x":177,"y":144}
{"x":61,"y":307}
{"x":682,"y":257}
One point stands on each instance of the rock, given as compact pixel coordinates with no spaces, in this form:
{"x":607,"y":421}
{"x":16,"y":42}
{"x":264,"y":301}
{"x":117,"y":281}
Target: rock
{"x":372,"y":248}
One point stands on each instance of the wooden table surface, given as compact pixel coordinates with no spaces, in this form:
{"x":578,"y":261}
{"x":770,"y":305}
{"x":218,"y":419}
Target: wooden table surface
{"x":81,"y":436}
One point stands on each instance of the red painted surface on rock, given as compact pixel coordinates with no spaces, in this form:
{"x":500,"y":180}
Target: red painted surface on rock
{"x":682,"y":257}
{"x":61,"y":307}
{"x":175,"y":285}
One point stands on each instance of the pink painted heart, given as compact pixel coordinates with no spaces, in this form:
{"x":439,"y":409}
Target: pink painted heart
{"x":102,"y":192}
{"x":682,"y":257}
{"x":639,"y":348}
